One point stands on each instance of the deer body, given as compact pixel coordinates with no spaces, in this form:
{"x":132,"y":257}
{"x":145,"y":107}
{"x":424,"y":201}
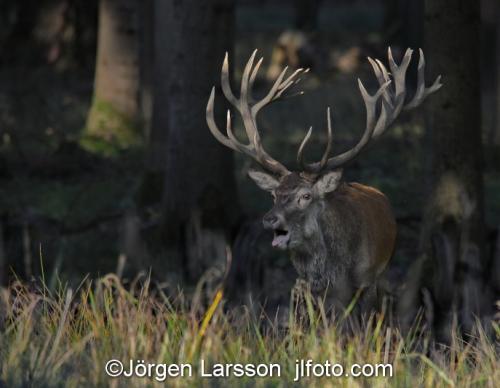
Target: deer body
{"x":340,"y":235}
{"x":352,"y":244}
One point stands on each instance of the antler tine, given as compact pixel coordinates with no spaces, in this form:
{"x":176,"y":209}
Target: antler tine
{"x":422,"y":92}
{"x":324,"y":158}
{"x":245,"y":79}
{"x":272,"y":92}
{"x":399,"y":77}
{"x":370,"y":106}
{"x":397,"y":97}
{"x":290,"y":79}
{"x":229,"y":130}
{"x":248,"y":110}
{"x":244,"y":107}
{"x":371,"y":123}
{"x":300,"y":152}
{"x":213,"y":126}
{"x":392,"y":103}
{"x":224,"y":81}
{"x":278,"y":88}
{"x":249,"y":118}
{"x":253,"y":76}
{"x":387,"y":102}
{"x":382,"y":76}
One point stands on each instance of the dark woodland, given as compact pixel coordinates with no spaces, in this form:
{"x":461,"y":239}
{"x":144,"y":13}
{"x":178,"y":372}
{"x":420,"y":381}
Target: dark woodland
{"x":107,"y":164}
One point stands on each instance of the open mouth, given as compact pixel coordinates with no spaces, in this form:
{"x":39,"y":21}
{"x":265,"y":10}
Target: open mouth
{"x":281,"y":238}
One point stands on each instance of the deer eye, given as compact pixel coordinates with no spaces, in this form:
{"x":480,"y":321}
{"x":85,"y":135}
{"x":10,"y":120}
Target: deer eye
{"x":306,"y":197}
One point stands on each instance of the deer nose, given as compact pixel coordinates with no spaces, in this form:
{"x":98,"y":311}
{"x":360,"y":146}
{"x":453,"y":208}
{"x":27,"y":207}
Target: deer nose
{"x":270,"y":221}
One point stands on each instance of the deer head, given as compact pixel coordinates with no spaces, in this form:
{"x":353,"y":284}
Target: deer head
{"x":299,"y":195}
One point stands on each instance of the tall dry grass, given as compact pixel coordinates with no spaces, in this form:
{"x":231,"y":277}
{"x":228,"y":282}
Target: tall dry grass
{"x":64,"y":338}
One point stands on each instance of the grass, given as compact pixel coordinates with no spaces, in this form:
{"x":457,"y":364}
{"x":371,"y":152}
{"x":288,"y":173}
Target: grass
{"x":65,"y":338}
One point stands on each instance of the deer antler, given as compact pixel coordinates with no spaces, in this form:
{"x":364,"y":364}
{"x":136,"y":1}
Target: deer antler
{"x":392,"y":103}
{"x":248,"y":109}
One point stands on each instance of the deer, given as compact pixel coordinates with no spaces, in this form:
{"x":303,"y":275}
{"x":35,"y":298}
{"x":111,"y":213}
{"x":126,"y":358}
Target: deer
{"x":340,"y":235}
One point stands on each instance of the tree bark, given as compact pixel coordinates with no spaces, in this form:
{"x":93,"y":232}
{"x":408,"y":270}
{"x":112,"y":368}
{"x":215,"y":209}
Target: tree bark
{"x":3,"y":266}
{"x":199,"y":192}
{"x":113,"y":117}
{"x":306,"y":14}
{"x":496,"y":134}
{"x":451,"y":265}
{"x":403,"y":22}
{"x":147,"y":63}
{"x":490,"y":55}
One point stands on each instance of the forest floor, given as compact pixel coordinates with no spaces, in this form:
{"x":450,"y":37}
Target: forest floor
{"x":66,"y":338}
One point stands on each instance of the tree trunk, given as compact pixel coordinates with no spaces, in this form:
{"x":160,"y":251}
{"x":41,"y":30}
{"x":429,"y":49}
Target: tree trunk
{"x":147,"y":63}
{"x":113,"y":117}
{"x":451,"y":266}
{"x":199,"y":192}
{"x":489,"y":68}
{"x":18,"y":23}
{"x":496,"y":134}
{"x":403,"y":23}
{"x":306,"y":14}
{"x":3,"y":266}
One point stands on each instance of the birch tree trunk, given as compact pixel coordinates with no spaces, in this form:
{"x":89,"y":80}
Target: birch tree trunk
{"x":114,"y":116}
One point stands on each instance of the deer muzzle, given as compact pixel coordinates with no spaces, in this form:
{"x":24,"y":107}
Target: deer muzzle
{"x":276,"y":223}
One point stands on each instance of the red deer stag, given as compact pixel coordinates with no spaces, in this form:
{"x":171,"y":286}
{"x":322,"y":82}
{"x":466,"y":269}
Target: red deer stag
{"x":341,"y":235}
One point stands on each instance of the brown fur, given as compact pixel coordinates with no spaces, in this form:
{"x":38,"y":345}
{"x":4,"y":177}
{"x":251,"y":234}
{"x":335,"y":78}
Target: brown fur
{"x":378,"y":224}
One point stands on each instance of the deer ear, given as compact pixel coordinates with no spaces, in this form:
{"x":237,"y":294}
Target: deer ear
{"x":328,"y":182}
{"x":264,"y":181}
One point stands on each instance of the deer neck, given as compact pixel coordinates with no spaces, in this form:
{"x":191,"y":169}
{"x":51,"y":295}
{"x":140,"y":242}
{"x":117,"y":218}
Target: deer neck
{"x":310,"y":259}
{"x":317,"y":261}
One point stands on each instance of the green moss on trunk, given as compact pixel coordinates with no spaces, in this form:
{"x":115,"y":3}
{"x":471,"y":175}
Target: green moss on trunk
{"x":108,"y":130}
